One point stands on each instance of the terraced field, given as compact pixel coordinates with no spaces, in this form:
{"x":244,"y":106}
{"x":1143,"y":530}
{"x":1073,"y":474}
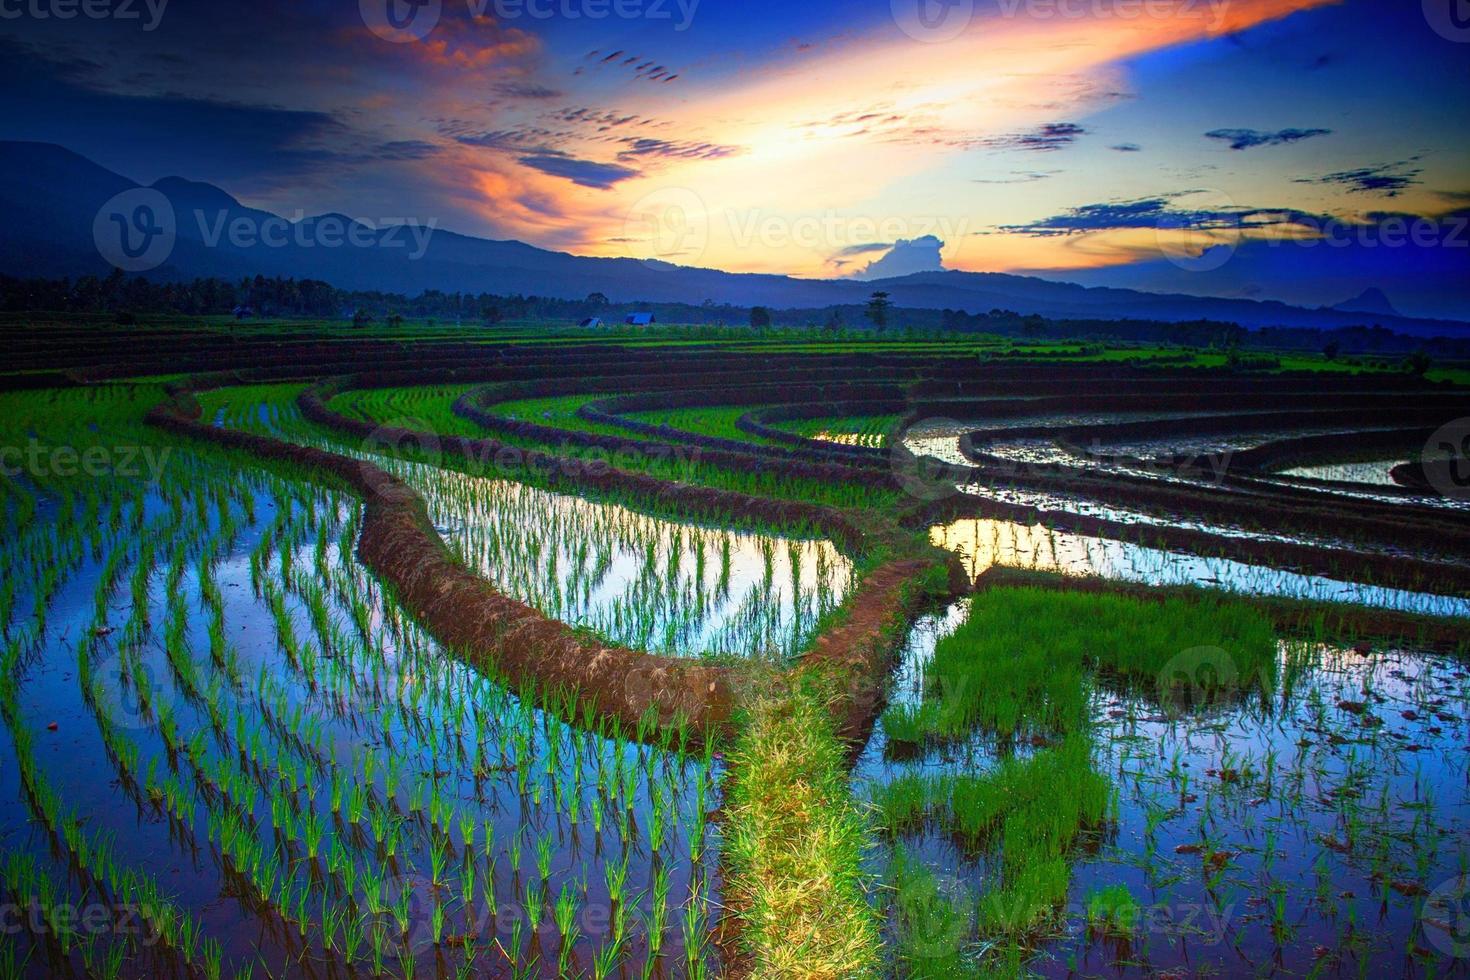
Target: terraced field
{"x":337,"y":655}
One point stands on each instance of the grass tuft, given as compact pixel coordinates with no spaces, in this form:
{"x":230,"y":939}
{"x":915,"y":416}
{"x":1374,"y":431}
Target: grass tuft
{"x":795,"y":840}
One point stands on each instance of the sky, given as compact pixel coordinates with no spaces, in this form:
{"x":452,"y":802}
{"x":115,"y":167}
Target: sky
{"x":1164,"y":144}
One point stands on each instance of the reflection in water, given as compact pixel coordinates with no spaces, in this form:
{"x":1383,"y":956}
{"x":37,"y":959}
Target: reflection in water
{"x":983,"y":543}
{"x":1376,"y":473}
{"x":1268,"y":830}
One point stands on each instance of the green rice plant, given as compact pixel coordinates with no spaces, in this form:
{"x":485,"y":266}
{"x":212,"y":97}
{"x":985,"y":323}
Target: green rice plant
{"x":1113,"y":910}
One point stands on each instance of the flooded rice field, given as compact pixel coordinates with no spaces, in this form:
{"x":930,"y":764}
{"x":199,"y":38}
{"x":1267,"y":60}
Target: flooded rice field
{"x":1317,"y":823}
{"x":673,"y":587}
{"x":983,"y":543}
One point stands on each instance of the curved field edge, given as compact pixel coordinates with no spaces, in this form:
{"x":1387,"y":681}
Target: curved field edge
{"x":848,"y":663}
{"x":534,"y":653}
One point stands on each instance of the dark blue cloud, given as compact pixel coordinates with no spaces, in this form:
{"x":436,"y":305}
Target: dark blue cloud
{"x":1246,"y":139}
{"x":55,"y":99}
{"x":1157,"y":212}
{"x":1052,"y":136}
{"x":1388,"y":179}
{"x":583,"y":173}
{"x":642,"y":146}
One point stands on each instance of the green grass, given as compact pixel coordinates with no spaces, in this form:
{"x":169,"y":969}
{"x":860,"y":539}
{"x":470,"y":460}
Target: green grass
{"x":794,"y":841}
{"x":858,"y":430}
{"x":718,"y":421}
{"x":429,"y":408}
{"x":1022,"y":671}
{"x":1020,"y":665}
{"x":433,"y":406}
{"x":1113,"y":909}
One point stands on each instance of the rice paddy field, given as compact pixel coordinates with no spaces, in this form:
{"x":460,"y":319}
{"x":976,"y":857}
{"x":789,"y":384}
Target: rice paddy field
{"x":530,"y":653}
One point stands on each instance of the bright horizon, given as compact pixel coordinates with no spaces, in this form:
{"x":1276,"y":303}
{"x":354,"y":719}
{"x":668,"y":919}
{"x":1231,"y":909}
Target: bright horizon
{"x":1103,"y":141}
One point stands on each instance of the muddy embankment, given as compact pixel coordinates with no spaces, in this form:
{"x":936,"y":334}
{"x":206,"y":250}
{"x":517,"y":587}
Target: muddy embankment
{"x":688,"y":448}
{"x":764,"y":423}
{"x":533,"y":653}
{"x":853,"y":656}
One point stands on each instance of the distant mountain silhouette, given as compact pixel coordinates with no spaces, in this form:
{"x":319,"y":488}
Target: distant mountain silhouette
{"x":51,"y":197}
{"x":1371,"y":301}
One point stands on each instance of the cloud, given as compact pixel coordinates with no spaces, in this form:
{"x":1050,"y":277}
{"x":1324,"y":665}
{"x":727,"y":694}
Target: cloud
{"x":1246,"y":139}
{"x":526,"y":90}
{"x":406,"y":150}
{"x":1127,"y":148}
{"x":1052,"y":136}
{"x":865,"y":248}
{"x":905,"y":258}
{"x":1389,"y":179}
{"x":1156,"y":212}
{"x":644,"y":68}
{"x":642,"y":146}
{"x":583,"y":173}
{"x":57,"y":99}
{"x":1019,"y":177}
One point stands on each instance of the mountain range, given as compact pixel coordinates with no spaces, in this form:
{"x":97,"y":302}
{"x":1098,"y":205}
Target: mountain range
{"x":52,"y":199}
